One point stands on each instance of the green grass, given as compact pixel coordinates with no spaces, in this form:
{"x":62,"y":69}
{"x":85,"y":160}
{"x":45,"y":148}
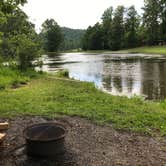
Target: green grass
{"x":147,"y":50}
{"x":49,"y":96}
{"x":12,"y":77}
{"x":62,"y":73}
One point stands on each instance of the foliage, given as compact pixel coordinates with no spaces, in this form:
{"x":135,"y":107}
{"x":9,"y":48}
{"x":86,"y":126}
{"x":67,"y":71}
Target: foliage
{"x":49,"y":96}
{"x":162,"y":15}
{"x":62,"y":73}
{"x":132,"y":23}
{"x":109,"y":34}
{"x":51,"y":35}
{"x":10,"y":76}
{"x":93,"y":39}
{"x":154,"y":20}
{"x":117,"y":30}
{"x":27,"y":50}
{"x":124,"y":28}
{"x":151,"y":21}
{"x":72,"y":38}
{"x":18,"y":37}
{"x":107,"y":18}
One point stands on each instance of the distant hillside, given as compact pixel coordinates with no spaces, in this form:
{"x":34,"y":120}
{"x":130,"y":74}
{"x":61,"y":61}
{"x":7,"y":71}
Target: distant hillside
{"x":72,"y":38}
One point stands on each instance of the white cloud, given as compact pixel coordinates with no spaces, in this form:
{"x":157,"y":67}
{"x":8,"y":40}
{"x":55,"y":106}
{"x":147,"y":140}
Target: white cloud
{"x":72,"y":13}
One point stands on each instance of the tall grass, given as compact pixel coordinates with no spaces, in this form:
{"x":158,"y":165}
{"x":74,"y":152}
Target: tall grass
{"x":10,"y":76}
{"x":62,"y":73}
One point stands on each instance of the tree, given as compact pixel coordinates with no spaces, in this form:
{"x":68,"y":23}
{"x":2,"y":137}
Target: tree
{"x":117,"y":30}
{"x":16,"y":24}
{"x":86,"y":40}
{"x":52,"y":35}
{"x":107,"y":22}
{"x":162,"y":15}
{"x":126,"y":29}
{"x":97,"y":37}
{"x":27,"y":50}
{"x":19,"y":39}
{"x":93,"y":38}
{"x":151,"y":20}
{"x":132,"y":23}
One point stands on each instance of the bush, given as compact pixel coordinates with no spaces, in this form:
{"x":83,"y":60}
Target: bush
{"x":11,"y":76}
{"x":63,"y":73}
{"x":27,"y":51}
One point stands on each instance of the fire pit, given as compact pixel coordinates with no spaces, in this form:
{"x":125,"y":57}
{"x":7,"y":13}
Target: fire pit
{"x":45,"y":139}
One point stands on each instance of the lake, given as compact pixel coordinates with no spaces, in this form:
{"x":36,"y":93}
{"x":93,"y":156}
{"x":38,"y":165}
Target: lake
{"x":118,"y":74}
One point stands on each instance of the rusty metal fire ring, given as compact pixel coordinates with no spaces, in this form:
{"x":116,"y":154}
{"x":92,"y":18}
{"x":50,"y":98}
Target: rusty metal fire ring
{"x":45,"y":139}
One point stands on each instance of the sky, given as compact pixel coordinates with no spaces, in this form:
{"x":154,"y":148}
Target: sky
{"x":76,"y":14}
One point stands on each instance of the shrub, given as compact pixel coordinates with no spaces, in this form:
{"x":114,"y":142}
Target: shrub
{"x":63,"y":73}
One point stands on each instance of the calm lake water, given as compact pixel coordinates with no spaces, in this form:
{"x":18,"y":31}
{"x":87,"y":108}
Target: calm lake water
{"x":118,"y":74}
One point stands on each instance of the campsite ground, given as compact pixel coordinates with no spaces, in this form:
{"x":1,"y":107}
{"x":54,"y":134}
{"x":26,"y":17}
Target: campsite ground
{"x":87,"y":144}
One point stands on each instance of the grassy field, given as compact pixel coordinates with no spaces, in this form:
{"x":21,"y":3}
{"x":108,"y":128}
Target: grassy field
{"x":51,"y":96}
{"x":147,"y":50}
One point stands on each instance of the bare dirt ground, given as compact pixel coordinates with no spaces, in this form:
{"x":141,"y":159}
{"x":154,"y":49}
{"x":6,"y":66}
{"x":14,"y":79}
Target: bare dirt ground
{"x":87,"y":144}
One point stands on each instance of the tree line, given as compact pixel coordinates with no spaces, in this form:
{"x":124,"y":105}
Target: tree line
{"x":125,"y":28}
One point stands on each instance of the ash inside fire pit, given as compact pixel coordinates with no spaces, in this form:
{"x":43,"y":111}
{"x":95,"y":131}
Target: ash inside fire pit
{"x":45,"y":132}
{"x":45,"y":140}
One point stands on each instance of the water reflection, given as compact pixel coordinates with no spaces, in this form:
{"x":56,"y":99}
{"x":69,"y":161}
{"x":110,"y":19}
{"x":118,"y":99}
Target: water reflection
{"x":119,"y":74}
{"x":154,"y":80}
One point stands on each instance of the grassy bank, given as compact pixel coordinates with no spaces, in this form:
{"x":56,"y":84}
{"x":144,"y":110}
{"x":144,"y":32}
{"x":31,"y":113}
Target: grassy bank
{"x":147,"y":50}
{"x":12,"y":77}
{"x":51,"y":96}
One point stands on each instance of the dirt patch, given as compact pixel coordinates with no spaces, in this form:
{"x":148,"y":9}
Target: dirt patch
{"x":87,"y":144}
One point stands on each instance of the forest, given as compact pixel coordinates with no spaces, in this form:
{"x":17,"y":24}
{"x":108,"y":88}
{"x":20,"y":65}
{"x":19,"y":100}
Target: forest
{"x":124,"y":28}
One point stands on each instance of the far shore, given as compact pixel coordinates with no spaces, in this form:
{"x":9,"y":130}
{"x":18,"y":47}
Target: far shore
{"x":161,"y":50}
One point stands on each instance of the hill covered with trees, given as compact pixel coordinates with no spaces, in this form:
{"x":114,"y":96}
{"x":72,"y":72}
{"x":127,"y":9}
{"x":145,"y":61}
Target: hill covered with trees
{"x":56,"y":38}
{"x":72,"y":38}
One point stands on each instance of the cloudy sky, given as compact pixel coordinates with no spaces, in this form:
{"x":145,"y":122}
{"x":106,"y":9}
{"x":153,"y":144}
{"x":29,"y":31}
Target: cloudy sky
{"x":78,"y":14}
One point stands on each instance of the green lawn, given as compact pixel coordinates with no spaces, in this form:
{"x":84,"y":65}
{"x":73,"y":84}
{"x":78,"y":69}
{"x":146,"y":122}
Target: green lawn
{"x":49,"y":96}
{"x":148,"y":50}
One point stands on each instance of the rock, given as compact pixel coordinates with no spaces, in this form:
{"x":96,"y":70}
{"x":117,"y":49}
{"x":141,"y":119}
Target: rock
{"x":4,"y":126}
{"x":2,"y":137}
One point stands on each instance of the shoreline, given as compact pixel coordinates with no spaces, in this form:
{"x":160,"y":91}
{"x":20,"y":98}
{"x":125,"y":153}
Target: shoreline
{"x":154,"y":50}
